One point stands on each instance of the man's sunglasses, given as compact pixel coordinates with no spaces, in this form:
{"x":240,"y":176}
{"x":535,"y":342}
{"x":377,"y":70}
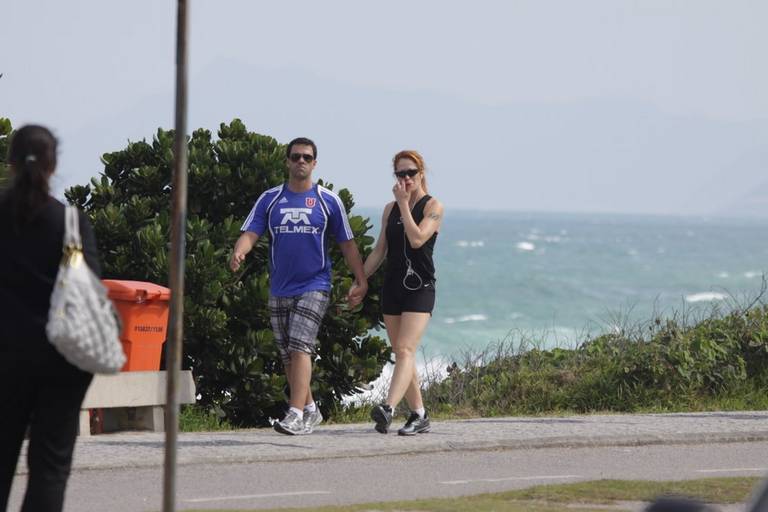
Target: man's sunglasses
{"x":408,"y":172}
{"x":295,"y":157}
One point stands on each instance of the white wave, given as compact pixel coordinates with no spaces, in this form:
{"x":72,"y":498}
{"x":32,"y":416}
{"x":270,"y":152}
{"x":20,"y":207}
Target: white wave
{"x":470,"y":243}
{"x":477,"y":317}
{"x":705,"y":297}
{"x":525,"y":246}
{"x":433,"y":370}
{"x":473,"y":318}
{"x":632,"y":252}
{"x":752,"y":274}
{"x":723,"y":275}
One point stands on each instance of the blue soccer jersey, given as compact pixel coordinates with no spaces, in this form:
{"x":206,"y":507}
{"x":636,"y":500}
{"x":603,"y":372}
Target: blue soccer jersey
{"x":299,"y":225}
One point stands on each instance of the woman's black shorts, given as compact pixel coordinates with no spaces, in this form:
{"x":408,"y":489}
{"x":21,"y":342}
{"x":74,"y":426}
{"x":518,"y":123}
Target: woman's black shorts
{"x":396,"y":299}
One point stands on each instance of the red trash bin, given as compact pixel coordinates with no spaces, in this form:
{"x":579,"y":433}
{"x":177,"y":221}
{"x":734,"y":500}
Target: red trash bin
{"x":143,"y":309}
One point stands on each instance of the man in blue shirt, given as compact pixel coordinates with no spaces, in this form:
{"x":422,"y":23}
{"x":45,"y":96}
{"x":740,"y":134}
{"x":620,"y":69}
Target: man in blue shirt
{"x":300,"y":216}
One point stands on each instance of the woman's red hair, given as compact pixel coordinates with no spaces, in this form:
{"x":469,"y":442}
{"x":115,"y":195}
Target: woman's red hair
{"x":417,"y":159}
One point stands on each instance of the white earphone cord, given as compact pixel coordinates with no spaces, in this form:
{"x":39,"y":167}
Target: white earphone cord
{"x":409,"y":271}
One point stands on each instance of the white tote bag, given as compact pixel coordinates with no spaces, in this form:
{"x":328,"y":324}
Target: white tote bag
{"x":82,"y":323}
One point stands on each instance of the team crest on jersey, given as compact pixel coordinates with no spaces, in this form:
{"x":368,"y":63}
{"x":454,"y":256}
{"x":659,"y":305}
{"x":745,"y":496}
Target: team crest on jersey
{"x":310,"y":202}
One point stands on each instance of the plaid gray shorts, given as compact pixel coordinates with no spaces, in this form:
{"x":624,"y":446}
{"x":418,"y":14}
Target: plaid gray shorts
{"x":296,"y":321}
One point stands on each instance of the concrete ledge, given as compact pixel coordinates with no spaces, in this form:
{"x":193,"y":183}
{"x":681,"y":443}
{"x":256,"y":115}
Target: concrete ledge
{"x":132,"y":400}
{"x":135,"y":389}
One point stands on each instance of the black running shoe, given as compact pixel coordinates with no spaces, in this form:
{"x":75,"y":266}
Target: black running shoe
{"x":382,"y":415}
{"x":415,"y":425}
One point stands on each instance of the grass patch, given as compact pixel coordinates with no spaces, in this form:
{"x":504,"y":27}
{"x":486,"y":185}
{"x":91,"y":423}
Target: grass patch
{"x":560,"y":497}
{"x":353,"y":413}
{"x":194,"y":418}
{"x":711,"y":490}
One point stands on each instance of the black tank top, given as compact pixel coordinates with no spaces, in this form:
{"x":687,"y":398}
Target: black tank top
{"x":398,"y":248}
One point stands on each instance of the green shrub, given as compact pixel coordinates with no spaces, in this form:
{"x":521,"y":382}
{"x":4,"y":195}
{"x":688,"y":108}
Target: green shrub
{"x":671,"y":364}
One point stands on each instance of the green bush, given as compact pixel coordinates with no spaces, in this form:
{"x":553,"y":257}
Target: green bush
{"x":228,"y":340}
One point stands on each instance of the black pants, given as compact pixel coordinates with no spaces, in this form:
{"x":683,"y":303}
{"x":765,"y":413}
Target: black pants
{"x":49,"y":403}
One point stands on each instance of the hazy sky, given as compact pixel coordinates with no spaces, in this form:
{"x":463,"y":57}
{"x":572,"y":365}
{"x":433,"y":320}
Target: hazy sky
{"x":608,"y":106}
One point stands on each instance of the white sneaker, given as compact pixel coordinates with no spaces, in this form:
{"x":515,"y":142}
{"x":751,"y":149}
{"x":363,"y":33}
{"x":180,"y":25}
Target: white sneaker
{"x":291,"y":425}
{"x":311,"y":420}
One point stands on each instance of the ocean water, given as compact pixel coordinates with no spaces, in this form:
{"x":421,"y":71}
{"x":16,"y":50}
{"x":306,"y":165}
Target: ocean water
{"x":556,"y":279}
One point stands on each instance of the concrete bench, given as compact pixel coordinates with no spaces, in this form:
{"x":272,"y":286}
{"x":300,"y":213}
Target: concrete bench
{"x":132,"y":400}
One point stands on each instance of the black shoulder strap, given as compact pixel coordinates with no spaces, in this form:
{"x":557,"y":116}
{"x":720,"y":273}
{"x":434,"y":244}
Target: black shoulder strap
{"x":419,"y":207}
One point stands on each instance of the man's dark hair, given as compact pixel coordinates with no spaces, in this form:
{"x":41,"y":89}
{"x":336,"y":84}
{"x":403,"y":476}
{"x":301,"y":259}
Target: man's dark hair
{"x":302,"y":141}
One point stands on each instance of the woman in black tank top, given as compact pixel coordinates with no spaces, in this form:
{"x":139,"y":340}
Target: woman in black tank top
{"x":414,"y":267}
{"x":409,"y":229}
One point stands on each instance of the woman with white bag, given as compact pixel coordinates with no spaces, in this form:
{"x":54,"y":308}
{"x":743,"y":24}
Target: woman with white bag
{"x":39,"y":389}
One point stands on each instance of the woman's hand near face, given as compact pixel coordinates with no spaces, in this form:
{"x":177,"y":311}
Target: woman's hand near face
{"x":400,"y":192}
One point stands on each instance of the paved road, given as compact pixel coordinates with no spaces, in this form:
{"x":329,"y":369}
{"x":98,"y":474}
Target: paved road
{"x":351,"y":463}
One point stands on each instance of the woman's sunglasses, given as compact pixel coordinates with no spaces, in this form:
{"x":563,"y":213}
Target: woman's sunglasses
{"x":295,"y":157}
{"x":408,"y":172}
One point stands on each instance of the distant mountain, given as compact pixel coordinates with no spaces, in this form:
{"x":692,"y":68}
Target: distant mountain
{"x":752,"y":204}
{"x":602,"y":154}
